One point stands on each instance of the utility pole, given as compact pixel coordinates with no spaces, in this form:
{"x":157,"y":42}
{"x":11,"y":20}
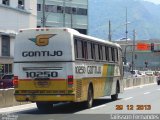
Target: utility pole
{"x":126,"y":25}
{"x":109,"y":32}
{"x":133,"y":49}
{"x":43,"y":17}
{"x":125,"y":60}
{"x":64,"y":6}
{"x":71,"y":14}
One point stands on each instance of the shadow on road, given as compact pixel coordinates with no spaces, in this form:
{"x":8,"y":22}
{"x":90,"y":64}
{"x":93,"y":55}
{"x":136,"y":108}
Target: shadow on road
{"x":67,"y":108}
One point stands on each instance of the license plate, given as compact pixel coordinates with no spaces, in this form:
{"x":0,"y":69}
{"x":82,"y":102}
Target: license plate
{"x":42,"y":84}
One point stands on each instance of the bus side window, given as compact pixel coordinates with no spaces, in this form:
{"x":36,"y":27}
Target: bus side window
{"x":116,"y":54}
{"x":100,"y":52}
{"x":93,"y":51}
{"x":104,"y":53}
{"x":107,"y":53}
{"x":96,"y":52}
{"x":75,"y":48}
{"x":84,"y":50}
{"x":112,"y":54}
{"x":80,"y":54}
{"x":89,"y":51}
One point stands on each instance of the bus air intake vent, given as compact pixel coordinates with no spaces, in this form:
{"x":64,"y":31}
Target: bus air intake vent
{"x":78,"y":88}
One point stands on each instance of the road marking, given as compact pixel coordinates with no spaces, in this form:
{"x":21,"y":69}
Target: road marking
{"x":158,"y":89}
{"x":147,"y":93}
{"x":128,"y":98}
{"x":98,"y":107}
{"x":18,"y":108}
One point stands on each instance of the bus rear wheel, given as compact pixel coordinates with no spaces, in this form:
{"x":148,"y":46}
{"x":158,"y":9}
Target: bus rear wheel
{"x":89,"y":101}
{"x":115,"y":96}
{"x":44,"y":106}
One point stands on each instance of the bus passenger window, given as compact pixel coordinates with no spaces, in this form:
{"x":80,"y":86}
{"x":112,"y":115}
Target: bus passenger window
{"x":112,"y":54}
{"x":79,"y":49}
{"x":84,"y":50}
{"x":100,"y":52}
{"x":107,"y":53}
{"x":93,"y":50}
{"x":89,"y":51}
{"x":96,"y":52}
{"x":104,"y":53}
{"x":116,"y":54}
{"x":76,"y":49}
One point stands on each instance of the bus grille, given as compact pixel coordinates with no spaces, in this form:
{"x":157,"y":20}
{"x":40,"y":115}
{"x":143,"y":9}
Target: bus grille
{"x":78,"y":88}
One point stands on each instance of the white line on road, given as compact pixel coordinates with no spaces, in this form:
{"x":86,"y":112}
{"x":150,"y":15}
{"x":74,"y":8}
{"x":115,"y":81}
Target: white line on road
{"x":158,"y":89}
{"x":147,"y":93}
{"x":128,"y":98}
{"x":18,"y":108}
{"x":98,"y":107}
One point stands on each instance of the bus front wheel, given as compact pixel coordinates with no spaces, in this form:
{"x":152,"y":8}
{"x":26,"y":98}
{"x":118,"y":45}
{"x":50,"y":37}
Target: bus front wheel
{"x":115,"y":96}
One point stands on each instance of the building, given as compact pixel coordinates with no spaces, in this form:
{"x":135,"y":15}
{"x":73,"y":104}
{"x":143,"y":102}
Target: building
{"x":15,"y":15}
{"x":74,"y":16}
{"x":143,"y":57}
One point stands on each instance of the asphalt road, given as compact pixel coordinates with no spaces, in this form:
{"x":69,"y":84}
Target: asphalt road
{"x":138,"y":100}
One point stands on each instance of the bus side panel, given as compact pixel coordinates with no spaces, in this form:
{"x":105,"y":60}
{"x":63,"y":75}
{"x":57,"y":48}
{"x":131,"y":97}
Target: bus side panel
{"x":113,"y":77}
{"x":104,"y":83}
{"x":108,"y":72}
{"x":87,"y":73}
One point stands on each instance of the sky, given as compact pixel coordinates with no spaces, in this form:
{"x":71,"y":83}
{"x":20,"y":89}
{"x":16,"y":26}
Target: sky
{"x":154,"y":1}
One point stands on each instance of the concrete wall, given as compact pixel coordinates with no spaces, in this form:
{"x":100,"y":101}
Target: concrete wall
{"x":7,"y":98}
{"x":129,"y":82}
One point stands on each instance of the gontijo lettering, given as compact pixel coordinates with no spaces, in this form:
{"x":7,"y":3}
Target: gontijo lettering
{"x":94,"y":69}
{"x":41,"y":53}
{"x":88,"y":69}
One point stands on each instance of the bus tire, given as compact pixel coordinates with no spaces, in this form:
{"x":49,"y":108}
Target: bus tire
{"x":44,"y":106}
{"x":89,"y":102}
{"x":115,"y":96}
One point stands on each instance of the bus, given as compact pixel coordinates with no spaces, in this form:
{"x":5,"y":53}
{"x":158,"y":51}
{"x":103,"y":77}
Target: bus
{"x":61,"y":65}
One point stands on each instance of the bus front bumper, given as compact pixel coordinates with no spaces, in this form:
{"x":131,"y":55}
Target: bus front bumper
{"x":46,"y":98}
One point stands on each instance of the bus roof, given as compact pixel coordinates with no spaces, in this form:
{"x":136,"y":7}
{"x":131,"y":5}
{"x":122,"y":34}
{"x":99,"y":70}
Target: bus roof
{"x":76,"y":33}
{"x":98,"y":40}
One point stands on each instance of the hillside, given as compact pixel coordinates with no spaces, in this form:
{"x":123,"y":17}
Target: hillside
{"x":143,"y":16}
